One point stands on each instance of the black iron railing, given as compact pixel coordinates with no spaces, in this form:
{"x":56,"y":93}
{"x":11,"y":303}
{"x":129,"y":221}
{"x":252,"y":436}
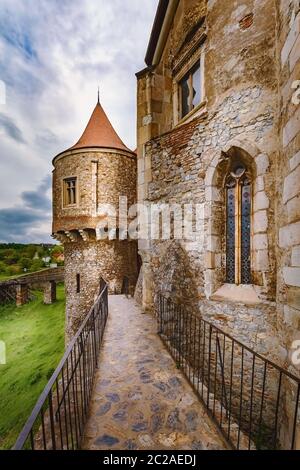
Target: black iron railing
{"x":58,"y":418}
{"x":255,"y":403}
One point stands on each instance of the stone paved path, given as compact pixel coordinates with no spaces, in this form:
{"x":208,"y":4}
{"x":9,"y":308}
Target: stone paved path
{"x":140,"y":399}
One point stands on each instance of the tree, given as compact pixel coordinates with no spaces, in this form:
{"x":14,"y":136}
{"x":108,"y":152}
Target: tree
{"x":25,"y":262}
{"x":3,"y":267}
{"x":31,"y":250}
{"x":13,"y":270}
{"x":36,"y":265}
{"x":12,"y":259}
{"x":57,"y":249}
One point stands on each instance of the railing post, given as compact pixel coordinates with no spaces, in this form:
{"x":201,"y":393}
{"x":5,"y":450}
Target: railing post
{"x":295,"y":417}
{"x":208,"y":372}
{"x":222,"y":372}
{"x":52,"y":421}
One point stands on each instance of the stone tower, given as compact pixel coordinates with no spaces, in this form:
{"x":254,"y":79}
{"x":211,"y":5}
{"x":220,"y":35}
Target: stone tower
{"x":97,"y":170}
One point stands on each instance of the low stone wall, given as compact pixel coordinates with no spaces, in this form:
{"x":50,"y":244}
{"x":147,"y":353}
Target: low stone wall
{"x":18,"y":289}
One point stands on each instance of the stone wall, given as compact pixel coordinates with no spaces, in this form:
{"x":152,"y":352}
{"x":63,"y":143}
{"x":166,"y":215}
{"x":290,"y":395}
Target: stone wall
{"x":49,"y":292}
{"x":186,"y":163}
{"x":250,"y":52}
{"x":288,"y":275}
{"x":112,"y":260}
{"x":22,"y":294}
{"x":103,"y":175}
{"x":288,"y":189}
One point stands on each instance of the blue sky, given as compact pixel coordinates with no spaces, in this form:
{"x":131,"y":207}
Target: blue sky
{"x":54,"y":54}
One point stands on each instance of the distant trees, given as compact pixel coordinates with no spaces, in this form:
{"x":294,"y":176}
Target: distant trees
{"x":17,"y":258}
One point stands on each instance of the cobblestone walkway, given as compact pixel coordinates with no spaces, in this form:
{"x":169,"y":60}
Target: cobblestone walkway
{"x":140,"y":399}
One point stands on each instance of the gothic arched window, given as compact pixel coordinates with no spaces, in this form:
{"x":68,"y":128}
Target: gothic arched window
{"x":238,"y":225}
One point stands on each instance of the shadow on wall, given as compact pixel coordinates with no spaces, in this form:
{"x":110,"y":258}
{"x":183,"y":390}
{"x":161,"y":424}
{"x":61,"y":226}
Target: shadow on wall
{"x":173,"y":275}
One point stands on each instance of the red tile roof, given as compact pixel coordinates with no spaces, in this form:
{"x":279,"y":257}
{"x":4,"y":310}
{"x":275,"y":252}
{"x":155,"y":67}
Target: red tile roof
{"x":100,"y":133}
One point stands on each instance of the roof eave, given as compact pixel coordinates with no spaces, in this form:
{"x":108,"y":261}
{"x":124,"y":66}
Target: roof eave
{"x":94,"y":147}
{"x":163,"y":19}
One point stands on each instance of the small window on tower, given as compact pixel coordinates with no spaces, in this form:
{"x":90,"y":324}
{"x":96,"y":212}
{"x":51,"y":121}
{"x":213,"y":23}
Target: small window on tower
{"x":190,"y":90}
{"x":70,"y":191}
{"x":78,"y":283}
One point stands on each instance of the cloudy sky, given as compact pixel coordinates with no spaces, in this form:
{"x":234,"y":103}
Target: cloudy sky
{"x":53,"y":55}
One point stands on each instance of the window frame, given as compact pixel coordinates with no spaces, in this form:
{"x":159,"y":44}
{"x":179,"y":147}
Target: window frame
{"x":199,"y":57}
{"x":188,"y":77}
{"x":65,"y":195}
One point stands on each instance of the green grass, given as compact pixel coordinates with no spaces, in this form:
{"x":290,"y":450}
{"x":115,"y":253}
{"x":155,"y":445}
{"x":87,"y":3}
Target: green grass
{"x":6,"y":277}
{"x":34,"y":338}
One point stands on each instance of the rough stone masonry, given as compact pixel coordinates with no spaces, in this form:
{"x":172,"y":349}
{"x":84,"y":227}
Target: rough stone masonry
{"x":101,"y":169}
{"x":249,"y":54}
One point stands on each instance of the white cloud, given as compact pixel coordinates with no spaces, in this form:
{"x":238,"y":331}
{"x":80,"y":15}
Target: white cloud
{"x":54,"y":55}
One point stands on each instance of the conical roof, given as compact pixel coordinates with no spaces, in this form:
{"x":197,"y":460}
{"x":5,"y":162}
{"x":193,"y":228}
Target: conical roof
{"x":99,"y":132}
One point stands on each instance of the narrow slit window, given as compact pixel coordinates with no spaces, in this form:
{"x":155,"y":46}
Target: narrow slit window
{"x":78,"y":283}
{"x":70,"y":191}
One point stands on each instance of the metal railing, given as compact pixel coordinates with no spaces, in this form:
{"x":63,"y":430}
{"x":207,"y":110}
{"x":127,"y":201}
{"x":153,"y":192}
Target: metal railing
{"x":58,"y":418}
{"x":254,"y":402}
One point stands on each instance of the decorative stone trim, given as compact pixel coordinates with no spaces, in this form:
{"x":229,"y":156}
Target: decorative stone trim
{"x":85,"y":235}
{"x":259,"y":164}
{"x":72,"y":236}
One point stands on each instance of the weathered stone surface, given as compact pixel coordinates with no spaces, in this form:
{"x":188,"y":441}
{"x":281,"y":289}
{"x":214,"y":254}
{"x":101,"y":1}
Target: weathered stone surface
{"x":291,"y":128}
{"x":295,"y":161}
{"x":291,"y":186}
{"x":295,"y":54}
{"x":22,"y":293}
{"x":49,"y":292}
{"x":260,"y":221}
{"x":261,"y":201}
{"x":290,"y":40}
{"x":103,"y":175}
{"x":296,"y":256}
{"x":261,"y":260}
{"x":262,"y":164}
{"x":293,"y":209}
{"x":289,"y":235}
{"x":293,"y":297}
{"x":291,"y":276}
{"x":291,"y":316}
{"x":260,"y":242}
{"x":113,"y":260}
{"x":259,"y":184}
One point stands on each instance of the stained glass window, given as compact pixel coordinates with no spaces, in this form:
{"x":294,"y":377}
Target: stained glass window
{"x":230,"y":239}
{"x":245,"y":231}
{"x":238,"y":226}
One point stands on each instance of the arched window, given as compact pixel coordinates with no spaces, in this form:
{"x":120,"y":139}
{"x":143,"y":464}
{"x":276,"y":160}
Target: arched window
{"x":238,"y":225}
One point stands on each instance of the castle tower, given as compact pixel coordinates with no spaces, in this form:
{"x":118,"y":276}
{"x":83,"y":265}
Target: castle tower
{"x":97,"y":170}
